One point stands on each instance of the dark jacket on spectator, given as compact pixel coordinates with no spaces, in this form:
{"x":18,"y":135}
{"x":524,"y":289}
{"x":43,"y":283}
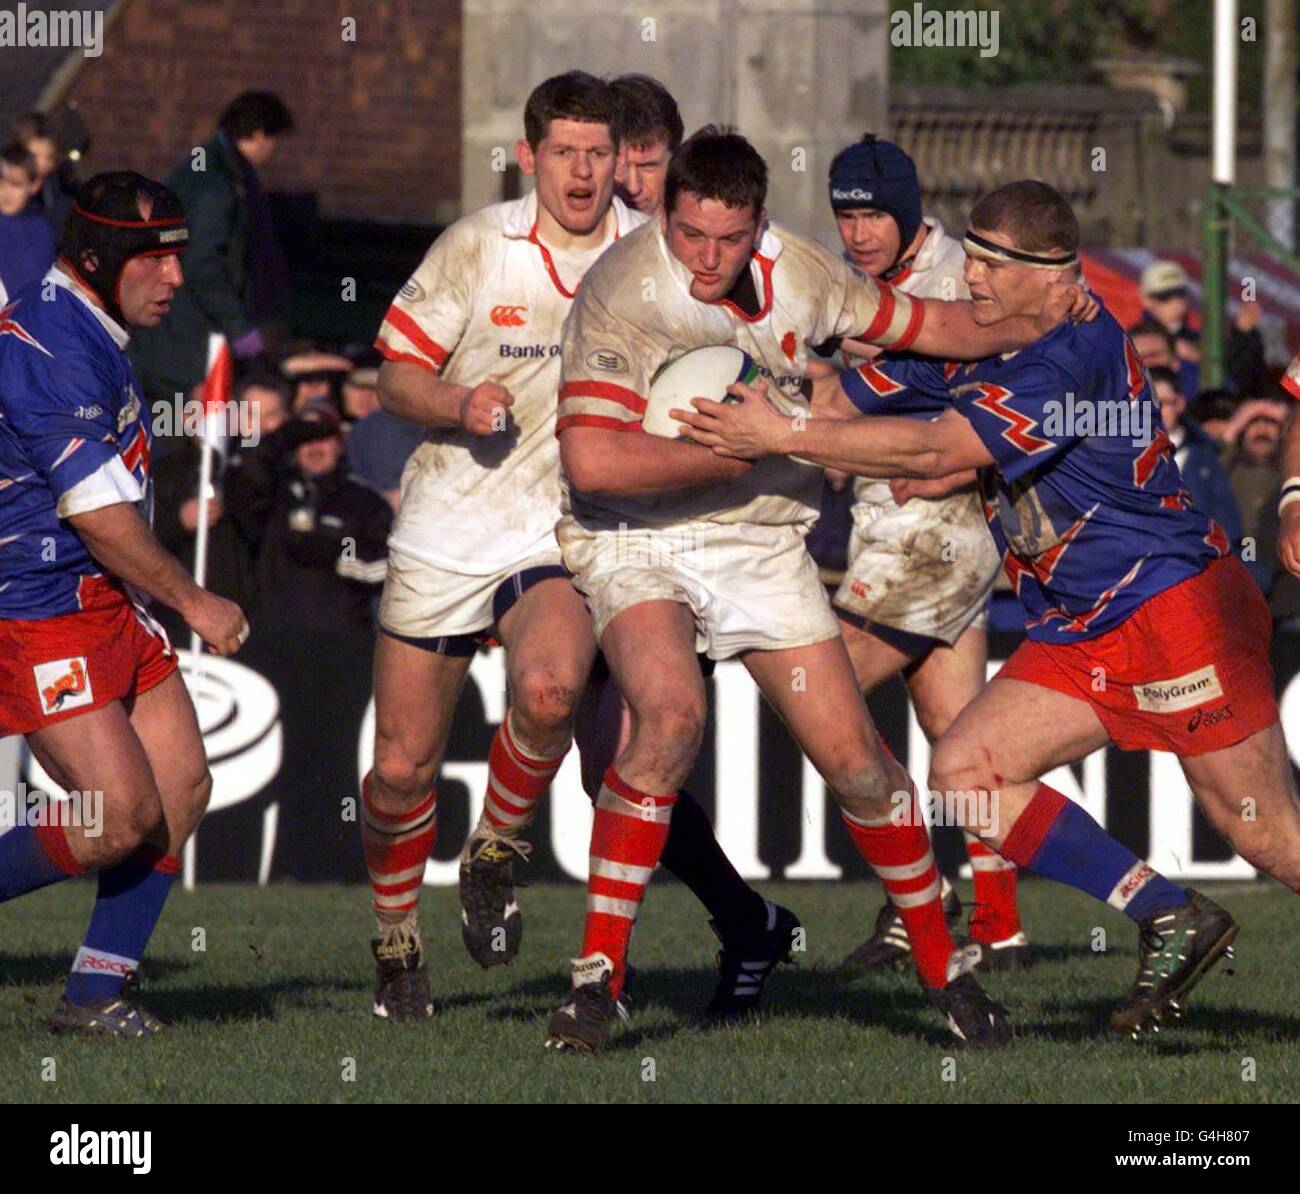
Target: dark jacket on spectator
{"x":1280,"y":587}
{"x":217,"y":294}
{"x":320,"y":543}
{"x":26,"y":250}
{"x":1244,"y":361}
{"x":229,"y":568}
{"x":1208,"y":483}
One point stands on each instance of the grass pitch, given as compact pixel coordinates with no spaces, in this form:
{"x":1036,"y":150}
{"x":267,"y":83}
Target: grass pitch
{"x":276,"y":1008}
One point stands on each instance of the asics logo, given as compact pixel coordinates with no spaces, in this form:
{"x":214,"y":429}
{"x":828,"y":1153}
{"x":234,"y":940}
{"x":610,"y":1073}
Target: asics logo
{"x":508,"y":316}
{"x":92,"y":963}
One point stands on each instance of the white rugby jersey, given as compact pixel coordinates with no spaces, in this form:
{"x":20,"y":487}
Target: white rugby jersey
{"x":487,"y":303}
{"x":938,"y":272}
{"x":636,"y":313}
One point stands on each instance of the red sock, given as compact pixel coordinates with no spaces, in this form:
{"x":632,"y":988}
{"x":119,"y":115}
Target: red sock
{"x":901,"y":857}
{"x":53,"y":840}
{"x":995,"y":917}
{"x":627,"y":838}
{"x":397,"y":848}
{"x":516,"y":781}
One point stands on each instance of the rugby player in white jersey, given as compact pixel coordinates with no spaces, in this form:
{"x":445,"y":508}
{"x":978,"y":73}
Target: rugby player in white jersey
{"x":914,"y":598}
{"x":678,"y":550}
{"x":472,"y":343}
{"x":472,"y":346}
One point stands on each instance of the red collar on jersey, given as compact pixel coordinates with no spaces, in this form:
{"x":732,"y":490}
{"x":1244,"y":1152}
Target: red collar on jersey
{"x":549,"y":261}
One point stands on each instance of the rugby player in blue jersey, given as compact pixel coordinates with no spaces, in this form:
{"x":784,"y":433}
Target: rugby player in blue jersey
{"x":89,"y":677}
{"x":1143,"y":630}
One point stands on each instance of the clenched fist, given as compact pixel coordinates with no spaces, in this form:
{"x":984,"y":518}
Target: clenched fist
{"x":484,"y":410}
{"x":218,"y":622}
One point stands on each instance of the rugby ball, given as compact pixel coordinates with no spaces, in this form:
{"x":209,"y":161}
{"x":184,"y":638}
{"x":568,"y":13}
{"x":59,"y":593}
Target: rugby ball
{"x":699,"y":373}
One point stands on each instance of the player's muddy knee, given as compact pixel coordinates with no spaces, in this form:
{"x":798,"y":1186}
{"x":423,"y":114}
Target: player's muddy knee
{"x":666,"y":740}
{"x":864,"y":788}
{"x":543,"y":703}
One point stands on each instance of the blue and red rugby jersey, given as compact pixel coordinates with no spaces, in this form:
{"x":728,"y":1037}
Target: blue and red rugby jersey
{"x":74,"y":437}
{"x":1085,"y":501}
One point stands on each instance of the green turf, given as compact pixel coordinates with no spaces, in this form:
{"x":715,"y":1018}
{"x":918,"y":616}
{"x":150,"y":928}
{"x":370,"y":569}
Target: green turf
{"x":280,"y":1001}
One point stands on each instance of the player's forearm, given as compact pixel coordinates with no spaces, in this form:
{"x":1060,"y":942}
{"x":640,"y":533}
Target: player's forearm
{"x":950,"y":331}
{"x":869,"y":447}
{"x":420,"y":395}
{"x":119,"y":540}
{"x":600,"y":461}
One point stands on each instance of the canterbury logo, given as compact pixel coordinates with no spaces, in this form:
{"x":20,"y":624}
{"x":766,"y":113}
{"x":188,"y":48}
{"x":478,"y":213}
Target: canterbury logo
{"x":508,"y":317}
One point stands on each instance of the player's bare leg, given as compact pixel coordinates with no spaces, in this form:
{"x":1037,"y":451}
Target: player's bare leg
{"x":100,"y":753}
{"x":941,"y":683}
{"x":755,"y":933}
{"x":875,"y":661}
{"x":947,"y":680}
{"x":665,"y":694}
{"x":415,"y":698}
{"x":1248,"y":793}
{"x":168,"y":728}
{"x":549,"y":651}
{"x":1012,"y":733}
{"x":815,"y":692}
{"x":154,"y":753}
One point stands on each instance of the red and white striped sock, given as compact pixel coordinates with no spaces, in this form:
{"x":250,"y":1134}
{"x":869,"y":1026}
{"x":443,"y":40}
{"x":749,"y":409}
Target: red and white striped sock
{"x":517,"y":780}
{"x":996,"y":916}
{"x":397,"y":848}
{"x":627,"y":838}
{"x":901,"y":857}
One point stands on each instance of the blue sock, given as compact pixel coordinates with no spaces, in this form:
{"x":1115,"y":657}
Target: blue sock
{"x":1055,"y":838}
{"x":129,"y":903}
{"x":33,"y":856}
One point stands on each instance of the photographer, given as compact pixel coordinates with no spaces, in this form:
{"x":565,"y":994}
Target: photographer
{"x":319,"y":536}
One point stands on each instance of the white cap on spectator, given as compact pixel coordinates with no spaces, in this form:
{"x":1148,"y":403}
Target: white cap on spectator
{"x":1160,"y":277}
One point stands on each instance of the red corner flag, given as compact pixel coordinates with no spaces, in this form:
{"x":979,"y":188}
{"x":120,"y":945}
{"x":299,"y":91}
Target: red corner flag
{"x":219,"y":384}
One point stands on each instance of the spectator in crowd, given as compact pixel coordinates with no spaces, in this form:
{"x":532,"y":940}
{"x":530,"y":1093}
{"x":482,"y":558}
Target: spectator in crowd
{"x":319,"y":537}
{"x":314,"y":373}
{"x":1254,"y":437}
{"x":1155,"y":346}
{"x":263,"y":407}
{"x":379,"y":441}
{"x":1213,"y":410}
{"x":26,"y":245}
{"x":1243,"y":353}
{"x":1197,"y":456}
{"x":1163,"y":287}
{"x":1280,"y":587}
{"x":56,"y":177}
{"x":236,"y":277}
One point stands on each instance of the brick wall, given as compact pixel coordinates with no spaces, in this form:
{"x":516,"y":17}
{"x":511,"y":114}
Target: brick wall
{"x":378,"y":119}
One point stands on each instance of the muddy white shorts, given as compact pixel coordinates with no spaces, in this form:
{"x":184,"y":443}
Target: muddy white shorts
{"x":749,"y":587}
{"x":422,"y":601}
{"x":926,"y":568}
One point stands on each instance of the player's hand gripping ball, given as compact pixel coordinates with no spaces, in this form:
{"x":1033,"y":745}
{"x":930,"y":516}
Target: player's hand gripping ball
{"x":700,"y":373}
